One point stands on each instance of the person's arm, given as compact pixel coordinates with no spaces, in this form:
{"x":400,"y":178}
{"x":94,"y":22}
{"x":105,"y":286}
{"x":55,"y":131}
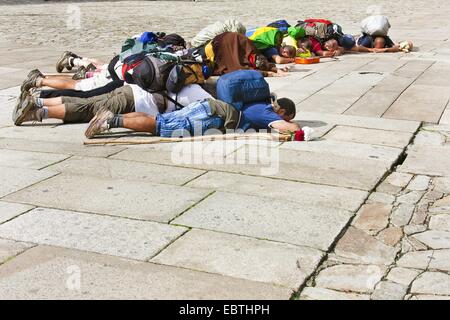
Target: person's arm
{"x":282,"y":60}
{"x":284,"y":126}
{"x":388,"y":50}
{"x":322,"y":53}
{"x":361,"y":49}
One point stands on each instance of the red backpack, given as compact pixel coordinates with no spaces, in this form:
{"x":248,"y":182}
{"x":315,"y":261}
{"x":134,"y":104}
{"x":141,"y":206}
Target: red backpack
{"x":321,"y":29}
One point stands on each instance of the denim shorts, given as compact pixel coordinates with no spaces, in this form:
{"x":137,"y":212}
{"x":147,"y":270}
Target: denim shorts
{"x":195,"y":119}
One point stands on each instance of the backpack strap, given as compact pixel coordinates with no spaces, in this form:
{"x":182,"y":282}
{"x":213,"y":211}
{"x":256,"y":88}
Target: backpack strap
{"x":174,"y":101}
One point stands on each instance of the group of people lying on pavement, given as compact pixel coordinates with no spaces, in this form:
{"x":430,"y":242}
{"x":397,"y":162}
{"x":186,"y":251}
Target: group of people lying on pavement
{"x":157,"y":83}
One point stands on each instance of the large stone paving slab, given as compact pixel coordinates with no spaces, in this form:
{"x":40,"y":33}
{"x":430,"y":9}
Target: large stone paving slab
{"x":127,"y":238}
{"x":30,"y":160}
{"x":340,"y":96}
{"x":117,"y":169}
{"x":267,"y":219}
{"x":133,"y":199}
{"x":242,"y":257}
{"x":55,"y":273}
{"x":14,"y":179}
{"x":350,"y":149}
{"x":303,"y":193}
{"x":420,"y":103}
{"x":433,"y":161}
{"x":310,"y":167}
{"x":361,"y":122}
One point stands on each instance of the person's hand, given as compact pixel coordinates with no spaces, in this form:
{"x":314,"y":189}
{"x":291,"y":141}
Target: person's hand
{"x":301,"y":50}
{"x":284,"y":69}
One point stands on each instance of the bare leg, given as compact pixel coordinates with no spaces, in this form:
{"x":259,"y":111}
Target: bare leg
{"x":52,"y":102}
{"x":140,"y":122}
{"x":57,"y":112}
{"x":59,"y":83}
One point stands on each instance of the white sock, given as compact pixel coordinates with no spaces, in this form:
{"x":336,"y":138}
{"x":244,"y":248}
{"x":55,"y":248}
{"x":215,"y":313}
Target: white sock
{"x":76,"y":62}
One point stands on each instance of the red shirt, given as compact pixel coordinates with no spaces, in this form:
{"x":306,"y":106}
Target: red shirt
{"x":315,"y":44}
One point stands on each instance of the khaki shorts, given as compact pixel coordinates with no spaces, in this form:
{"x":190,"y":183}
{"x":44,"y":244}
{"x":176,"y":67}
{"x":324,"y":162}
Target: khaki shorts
{"x":82,"y":110}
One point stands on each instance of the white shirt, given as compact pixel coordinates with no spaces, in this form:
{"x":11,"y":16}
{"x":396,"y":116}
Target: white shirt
{"x":144,"y":101}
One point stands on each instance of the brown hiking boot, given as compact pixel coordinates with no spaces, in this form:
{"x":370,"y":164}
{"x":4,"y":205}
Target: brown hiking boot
{"x":31,"y":81}
{"x":99,"y":123}
{"x":80,"y":74}
{"x":64,"y":61}
{"x":26,"y":110}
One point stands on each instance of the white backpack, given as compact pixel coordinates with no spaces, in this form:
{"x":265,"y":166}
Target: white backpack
{"x":376,"y":25}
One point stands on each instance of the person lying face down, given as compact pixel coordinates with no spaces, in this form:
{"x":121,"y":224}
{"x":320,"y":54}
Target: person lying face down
{"x":383,"y":44}
{"x":330,"y":48}
{"x":199,"y":117}
{"x":231,"y":51}
{"x":281,"y":55}
{"x":126,"y":99}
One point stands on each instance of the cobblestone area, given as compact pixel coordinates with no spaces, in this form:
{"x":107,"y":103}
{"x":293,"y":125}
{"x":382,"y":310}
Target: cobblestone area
{"x":361,"y":212}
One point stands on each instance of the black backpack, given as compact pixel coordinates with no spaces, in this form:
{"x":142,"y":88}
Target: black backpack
{"x":152,"y":74}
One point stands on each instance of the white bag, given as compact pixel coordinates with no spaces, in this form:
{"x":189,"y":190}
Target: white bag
{"x":377,"y":25}
{"x":208,"y":33}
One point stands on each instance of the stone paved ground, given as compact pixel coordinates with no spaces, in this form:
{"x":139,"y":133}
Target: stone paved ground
{"x":362,"y":212}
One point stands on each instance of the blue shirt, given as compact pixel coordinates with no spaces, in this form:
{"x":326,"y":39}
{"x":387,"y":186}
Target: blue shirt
{"x":269,"y":53}
{"x":258,"y":116}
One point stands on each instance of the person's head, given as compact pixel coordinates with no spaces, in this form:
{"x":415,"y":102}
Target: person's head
{"x":288,"y":51}
{"x":379,"y":43}
{"x":285,"y":108}
{"x":347,"y":41}
{"x":305,"y":44}
{"x":331,"y":45}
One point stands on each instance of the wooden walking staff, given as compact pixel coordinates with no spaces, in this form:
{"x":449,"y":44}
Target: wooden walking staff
{"x":220,"y":137}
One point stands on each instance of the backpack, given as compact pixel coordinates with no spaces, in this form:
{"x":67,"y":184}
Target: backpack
{"x":281,"y":25}
{"x":129,"y":64}
{"x":157,"y":76}
{"x":377,"y":25}
{"x":184,"y":74}
{"x":321,"y":29}
{"x":151,"y":73}
{"x":243,"y":86}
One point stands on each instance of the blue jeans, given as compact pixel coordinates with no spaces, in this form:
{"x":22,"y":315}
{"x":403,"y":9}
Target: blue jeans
{"x":192,"y":120}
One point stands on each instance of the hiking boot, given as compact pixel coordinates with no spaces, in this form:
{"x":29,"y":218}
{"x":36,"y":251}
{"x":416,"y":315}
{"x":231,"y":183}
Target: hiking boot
{"x":80,"y":74}
{"x":73,"y":55}
{"x":99,"y":123}
{"x":32,"y":80}
{"x":91,"y":67}
{"x":35,"y":71}
{"x":26,"y":110}
{"x":64,"y":62}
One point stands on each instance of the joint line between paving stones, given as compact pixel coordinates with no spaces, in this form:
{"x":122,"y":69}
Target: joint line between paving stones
{"x":195,"y":178}
{"x":249,"y":237}
{"x":32,"y":245}
{"x":167,"y":245}
{"x":29,"y":186}
{"x":55,"y":163}
{"x":403,"y":91}
{"x":243,"y":174}
{"x":443,"y":111}
{"x":192,"y":206}
{"x":25,"y":212}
